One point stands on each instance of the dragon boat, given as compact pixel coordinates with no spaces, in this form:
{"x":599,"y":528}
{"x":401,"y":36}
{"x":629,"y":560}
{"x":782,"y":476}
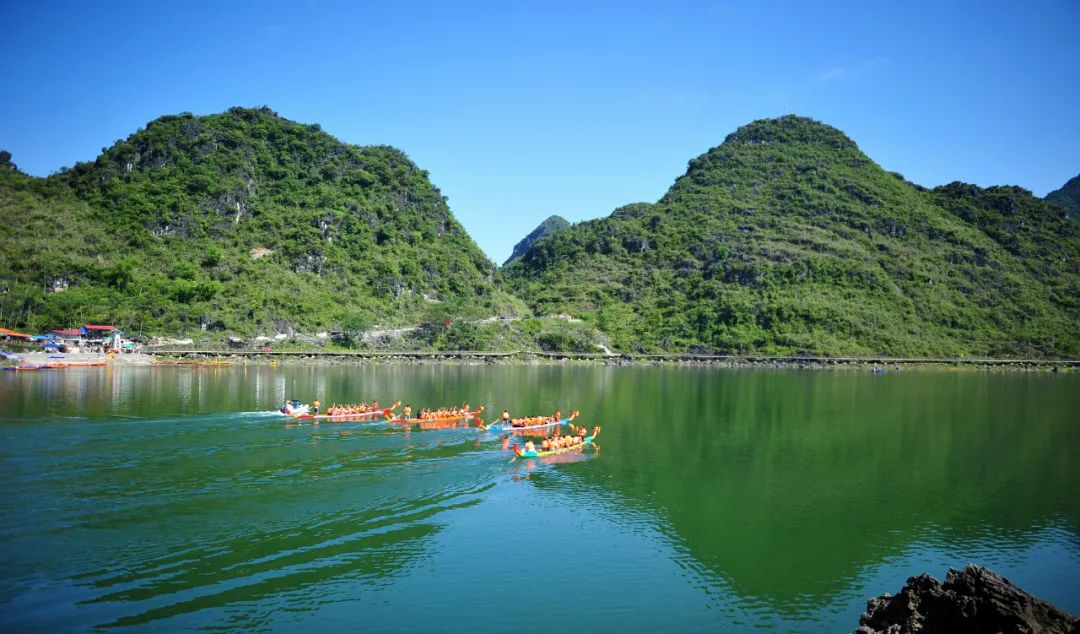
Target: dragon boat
{"x":587,"y":441}
{"x":440,"y":422}
{"x":303,"y":411}
{"x":459,"y":423}
{"x":551,"y":422}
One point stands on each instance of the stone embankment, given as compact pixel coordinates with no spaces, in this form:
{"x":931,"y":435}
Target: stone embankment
{"x":972,"y":600}
{"x":882,"y":364}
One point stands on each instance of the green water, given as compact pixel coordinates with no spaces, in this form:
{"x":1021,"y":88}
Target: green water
{"x":174,"y":498}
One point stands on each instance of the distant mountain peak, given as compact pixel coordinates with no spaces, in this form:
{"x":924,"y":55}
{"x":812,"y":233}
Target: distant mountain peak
{"x":549,"y":226}
{"x":1068,"y":197}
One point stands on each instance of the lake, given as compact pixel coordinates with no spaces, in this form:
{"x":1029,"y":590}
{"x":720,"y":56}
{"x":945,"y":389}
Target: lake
{"x":177,"y":498}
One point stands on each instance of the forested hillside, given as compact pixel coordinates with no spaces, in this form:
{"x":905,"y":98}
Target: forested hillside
{"x":788,"y":239}
{"x":238,"y":222}
{"x":785,"y":239}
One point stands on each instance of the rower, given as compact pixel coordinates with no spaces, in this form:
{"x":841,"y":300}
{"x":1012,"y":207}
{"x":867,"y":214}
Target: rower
{"x":408,"y":412}
{"x":315,"y":406}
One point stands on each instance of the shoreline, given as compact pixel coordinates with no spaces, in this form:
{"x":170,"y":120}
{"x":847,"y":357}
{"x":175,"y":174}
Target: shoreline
{"x":536,"y":358}
{"x":195,"y":358}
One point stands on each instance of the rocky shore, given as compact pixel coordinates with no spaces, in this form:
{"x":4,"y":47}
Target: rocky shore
{"x":974,"y":599}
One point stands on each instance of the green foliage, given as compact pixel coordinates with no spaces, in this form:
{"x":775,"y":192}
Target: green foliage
{"x":243,"y":220}
{"x":122,"y":272}
{"x":212,"y":257}
{"x":786,"y":239}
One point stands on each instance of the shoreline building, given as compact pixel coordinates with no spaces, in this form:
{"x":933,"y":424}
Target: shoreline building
{"x":92,"y":338}
{"x":12,"y":335}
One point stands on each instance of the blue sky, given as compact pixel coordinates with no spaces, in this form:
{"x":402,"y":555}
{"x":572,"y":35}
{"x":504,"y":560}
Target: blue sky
{"x":520,"y":110}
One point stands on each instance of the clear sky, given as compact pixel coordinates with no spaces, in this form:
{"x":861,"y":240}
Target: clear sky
{"x":521,"y":110}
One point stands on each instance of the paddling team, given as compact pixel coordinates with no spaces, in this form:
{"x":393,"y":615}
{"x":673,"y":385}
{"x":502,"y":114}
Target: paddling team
{"x":548,"y":444}
{"x":529,"y":421}
{"x":575,"y":438}
{"x":439,"y":413}
{"x":347,"y":410}
{"x":563,"y":442}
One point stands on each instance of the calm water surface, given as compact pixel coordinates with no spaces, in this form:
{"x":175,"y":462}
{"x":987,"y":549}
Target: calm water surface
{"x":174,"y":498}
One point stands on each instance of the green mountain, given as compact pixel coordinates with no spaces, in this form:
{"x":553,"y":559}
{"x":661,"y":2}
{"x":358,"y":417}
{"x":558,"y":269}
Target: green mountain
{"x":546,"y":228}
{"x":1068,"y":197}
{"x":787,"y":239}
{"x":237,"y":222}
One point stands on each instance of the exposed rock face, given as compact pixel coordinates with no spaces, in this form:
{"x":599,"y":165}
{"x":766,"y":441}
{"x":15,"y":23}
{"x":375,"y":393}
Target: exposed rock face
{"x":973,"y":600}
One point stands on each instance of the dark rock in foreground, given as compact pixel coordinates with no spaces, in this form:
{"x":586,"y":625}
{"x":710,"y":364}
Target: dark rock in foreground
{"x":973,"y":600}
